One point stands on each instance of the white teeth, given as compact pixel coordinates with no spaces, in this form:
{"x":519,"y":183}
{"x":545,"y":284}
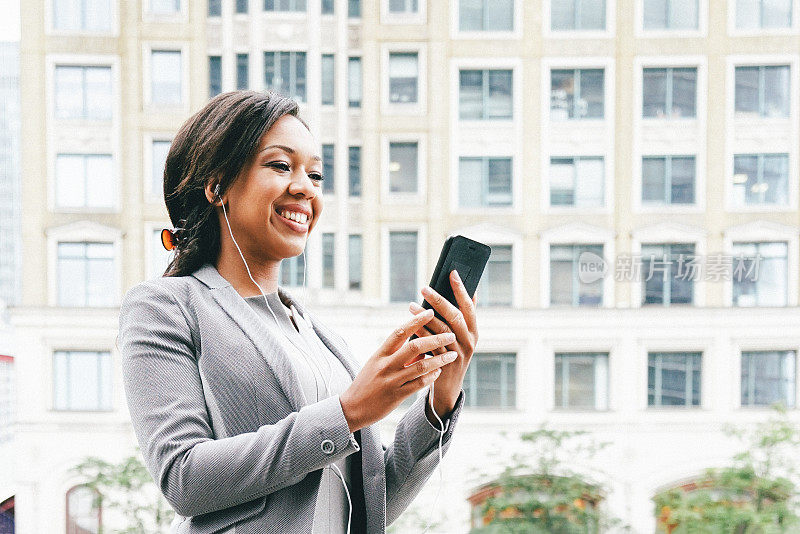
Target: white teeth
{"x":301,"y":218}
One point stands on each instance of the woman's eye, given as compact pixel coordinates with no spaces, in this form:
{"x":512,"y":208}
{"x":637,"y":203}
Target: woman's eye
{"x":279,"y":165}
{"x":317,"y":177}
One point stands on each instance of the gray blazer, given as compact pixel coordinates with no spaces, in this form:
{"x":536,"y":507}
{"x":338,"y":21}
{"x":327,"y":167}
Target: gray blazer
{"x":225,"y":428}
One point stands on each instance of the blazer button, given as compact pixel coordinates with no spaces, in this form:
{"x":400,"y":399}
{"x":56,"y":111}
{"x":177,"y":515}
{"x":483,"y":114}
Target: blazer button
{"x":327,"y":446}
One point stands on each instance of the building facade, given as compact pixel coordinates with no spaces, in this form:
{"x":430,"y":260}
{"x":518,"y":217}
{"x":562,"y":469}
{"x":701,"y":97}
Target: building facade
{"x":633,"y":164}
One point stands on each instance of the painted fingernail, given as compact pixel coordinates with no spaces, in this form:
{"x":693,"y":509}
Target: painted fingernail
{"x":449,"y":357}
{"x":458,"y":278}
{"x":449,"y":337}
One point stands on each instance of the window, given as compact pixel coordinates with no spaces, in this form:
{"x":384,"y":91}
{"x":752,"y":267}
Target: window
{"x":214,"y":76}
{"x":403,"y":6}
{"x":86,"y":274}
{"x":486,"y":15}
{"x":354,"y":259}
{"x":760,"y":274}
{"x":242,"y":71}
{"x":669,"y":93}
{"x":327,"y":7}
{"x":581,"y":380}
{"x":83,"y":93}
{"x":668,"y":179}
{"x":566,"y":286}
{"x":328,"y":79}
{"x":403,"y":167}
{"x":491,"y":381}
{"x":402,"y":266}
{"x":671,"y":14}
{"x":763,"y":14}
{"x":284,"y":5}
{"x":82,"y":380}
{"x":577,"y":182}
{"x":6,"y":402}
{"x":484,"y":182}
{"x":292,"y":271}
{"x":285,"y":72}
{"x":768,"y":377}
{"x":354,"y":168}
{"x":82,"y":515}
{"x":762,"y":91}
{"x":214,"y":8}
{"x":160,"y":150}
{"x":495,"y":287}
{"x":159,"y":257}
{"x":354,"y":82}
{"x":403,"y":77}
{"x":666,"y":276}
{"x":328,"y":271}
{"x":673,"y":379}
{"x":354,"y":8}
{"x":485,"y":94}
{"x":761,"y":179}
{"x":82,"y":15}
{"x":165,"y":7}
{"x":85,"y":181}
{"x":576,"y":94}
{"x":328,"y":154}
{"x":577,"y":15}
{"x":165,"y":71}
{"x":242,"y":6}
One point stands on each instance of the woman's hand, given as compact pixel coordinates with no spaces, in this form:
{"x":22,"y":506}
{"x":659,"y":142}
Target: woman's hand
{"x":462,"y":321}
{"x":394,"y":372}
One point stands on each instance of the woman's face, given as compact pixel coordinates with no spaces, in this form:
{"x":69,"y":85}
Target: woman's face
{"x":283,"y":178}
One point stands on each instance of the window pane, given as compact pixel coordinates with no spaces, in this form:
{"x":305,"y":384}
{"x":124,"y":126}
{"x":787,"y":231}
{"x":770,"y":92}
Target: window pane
{"x":776,"y":13}
{"x":354,"y":261}
{"x":470,"y":15}
{"x":776,"y":91}
{"x":683,"y":14}
{"x":354,"y":82}
{"x":748,"y":14}
{"x":562,"y":94}
{"x":327,"y":7}
{"x":589,"y":190}
{"x":67,"y":15}
{"x":768,"y":377}
{"x":593,"y":14}
{"x":499,"y":15}
{"x":490,"y":381}
{"x":214,"y":76}
{"x":328,"y":273}
{"x":653,"y":180}
{"x":403,"y":72}
{"x":590,"y":104}
{"x":498,"y":103}
{"x":242,"y":6}
{"x":654,"y":92}
{"x":581,"y":381}
{"x":561,"y":279}
{"x":69,"y":92}
{"x":470,"y":182}
{"x":160,"y":150}
{"x":681,"y":287}
{"x":328,"y":166}
{"x":562,"y":182}
{"x":98,"y":93}
{"x":70,"y":185}
{"x":470,"y":95}
{"x":776,"y":179}
{"x":354,"y":8}
{"x":403,"y":167}
{"x":299,"y":89}
{"x":655,"y":14}
{"x":214,"y":8}
{"x":495,"y":286}
{"x":674,"y":379}
{"x":101,"y":186}
{"x":498,"y":182}
{"x":746,"y":97}
{"x":684,"y":91}
{"x":562,"y":14}
{"x":682,"y":180}
{"x":242,"y":71}
{"x":328,"y":80}
{"x":402,"y":266}
{"x":354,"y":164}
{"x":165,"y":7}
{"x":166,"y":77}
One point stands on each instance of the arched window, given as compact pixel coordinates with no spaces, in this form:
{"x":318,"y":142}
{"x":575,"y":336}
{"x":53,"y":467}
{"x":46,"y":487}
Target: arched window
{"x":84,"y":512}
{"x":7,"y":516}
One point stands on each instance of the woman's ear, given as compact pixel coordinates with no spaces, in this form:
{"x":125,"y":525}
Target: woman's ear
{"x":212,"y":189}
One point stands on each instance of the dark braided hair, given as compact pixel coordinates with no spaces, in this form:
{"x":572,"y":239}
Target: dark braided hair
{"x":213,"y":145}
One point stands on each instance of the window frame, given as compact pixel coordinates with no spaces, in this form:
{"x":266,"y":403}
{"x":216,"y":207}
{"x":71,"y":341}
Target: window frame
{"x":495,"y":355}
{"x":703,"y":388}
{"x":180,"y":16}
{"x":53,"y":386}
{"x":735,"y":31}
{"x":485,"y":160}
{"x":576,"y":234}
{"x":290,"y":50}
{"x":150,"y":196}
{"x":546,"y":190}
{"x":761,"y":90}
{"x":565,"y":377}
{"x":608,"y":33}
{"x":419,"y":107}
{"x":418,"y":197}
{"x":148,"y":47}
{"x":387,"y":17}
{"x":50,"y":19}
{"x":114,"y":207}
{"x":476,"y":35}
{"x":773,"y":344}
{"x":762,"y":206}
{"x":751,"y":405}
{"x":422,"y":244}
{"x":81,"y":231}
{"x":701,"y":31}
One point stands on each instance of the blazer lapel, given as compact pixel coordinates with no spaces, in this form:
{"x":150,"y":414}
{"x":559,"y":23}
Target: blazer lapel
{"x":247,"y":319}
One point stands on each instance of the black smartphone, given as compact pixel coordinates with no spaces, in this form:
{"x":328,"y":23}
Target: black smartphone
{"x":468,"y":257}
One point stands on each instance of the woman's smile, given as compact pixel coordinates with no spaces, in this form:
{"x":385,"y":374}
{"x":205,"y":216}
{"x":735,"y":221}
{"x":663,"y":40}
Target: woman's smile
{"x":294,"y":225}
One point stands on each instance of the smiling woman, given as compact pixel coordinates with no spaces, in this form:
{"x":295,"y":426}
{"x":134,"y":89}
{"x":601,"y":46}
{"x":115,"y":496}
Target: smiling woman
{"x":252,"y":416}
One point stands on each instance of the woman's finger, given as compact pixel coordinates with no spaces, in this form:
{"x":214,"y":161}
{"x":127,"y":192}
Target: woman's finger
{"x":435,"y":325}
{"x":422,"y":332}
{"x":453,"y":316}
{"x":417,"y":384}
{"x":421,"y":345}
{"x":399,"y":336}
{"x":427,"y":365}
{"x":465,"y":304}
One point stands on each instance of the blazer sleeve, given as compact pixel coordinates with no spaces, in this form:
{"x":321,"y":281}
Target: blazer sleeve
{"x":196,"y":473}
{"x":414,"y":454}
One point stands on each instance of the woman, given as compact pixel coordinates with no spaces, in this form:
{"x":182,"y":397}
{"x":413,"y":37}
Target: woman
{"x":246,"y":409}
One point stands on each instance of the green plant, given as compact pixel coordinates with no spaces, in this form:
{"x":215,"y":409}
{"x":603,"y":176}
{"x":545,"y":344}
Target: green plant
{"x":126,"y":488}
{"x":538,"y":493}
{"x":758,"y":494}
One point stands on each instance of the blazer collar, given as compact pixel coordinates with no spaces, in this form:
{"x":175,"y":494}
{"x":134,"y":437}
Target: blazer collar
{"x":235,"y":306}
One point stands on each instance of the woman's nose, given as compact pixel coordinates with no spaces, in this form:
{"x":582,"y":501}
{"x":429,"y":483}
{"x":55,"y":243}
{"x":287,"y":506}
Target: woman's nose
{"x":302,"y":183}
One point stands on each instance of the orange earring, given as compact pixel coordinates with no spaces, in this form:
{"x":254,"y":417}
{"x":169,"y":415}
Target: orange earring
{"x":168,"y":239}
